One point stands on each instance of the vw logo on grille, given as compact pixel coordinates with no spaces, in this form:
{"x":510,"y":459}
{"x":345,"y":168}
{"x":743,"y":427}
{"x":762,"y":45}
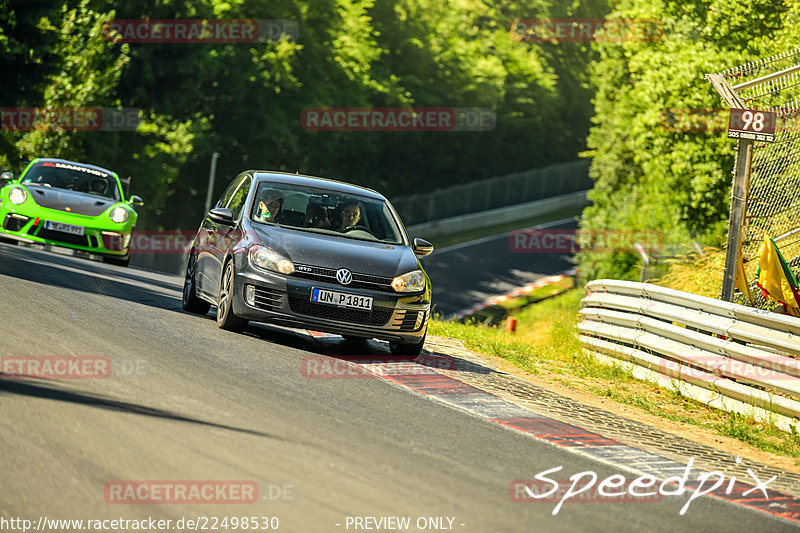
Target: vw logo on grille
{"x":344,"y":276}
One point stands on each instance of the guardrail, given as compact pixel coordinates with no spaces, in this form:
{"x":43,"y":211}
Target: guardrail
{"x":737,"y":355}
{"x":494,"y":193}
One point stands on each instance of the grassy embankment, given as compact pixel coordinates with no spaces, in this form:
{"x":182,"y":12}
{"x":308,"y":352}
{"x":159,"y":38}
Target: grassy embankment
{"x":546,"y":344}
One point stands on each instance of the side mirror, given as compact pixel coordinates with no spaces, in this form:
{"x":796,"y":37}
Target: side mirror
{"x":136,"y":200}
{"x":222,"y":215}
{"x":422,"y":247}
{"x":6,"y":178}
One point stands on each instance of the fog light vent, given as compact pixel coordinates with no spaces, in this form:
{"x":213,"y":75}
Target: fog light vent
{"x":250,"y":295}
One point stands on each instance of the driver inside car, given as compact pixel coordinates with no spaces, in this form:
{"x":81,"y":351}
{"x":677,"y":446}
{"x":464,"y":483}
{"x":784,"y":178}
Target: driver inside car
{"x":269,"y":206}
{"x":98,"y":186}
{"x":350,"y":214}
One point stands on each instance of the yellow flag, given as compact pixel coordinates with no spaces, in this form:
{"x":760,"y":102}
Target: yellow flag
{"x":776,"y":279}
{"x":741,"y":280}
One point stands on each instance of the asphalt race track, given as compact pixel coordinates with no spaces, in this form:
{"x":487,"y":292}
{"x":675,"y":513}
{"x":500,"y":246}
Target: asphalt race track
{"x":469,"y":273}
{"x":188,"y":401}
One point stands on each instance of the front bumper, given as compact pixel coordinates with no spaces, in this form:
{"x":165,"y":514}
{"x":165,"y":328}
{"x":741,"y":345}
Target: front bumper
{"x":286,"y":300}
{"x":29,"y":227}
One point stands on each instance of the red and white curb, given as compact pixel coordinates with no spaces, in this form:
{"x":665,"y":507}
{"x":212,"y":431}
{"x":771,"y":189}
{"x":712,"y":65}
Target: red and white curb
{"x":421,"y":376}
{"x":578,"y":440}
{"x":530,"y":287}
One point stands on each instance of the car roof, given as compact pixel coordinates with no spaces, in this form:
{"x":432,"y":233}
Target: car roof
{"x":312,"y":181}
{"x":67,"y":161}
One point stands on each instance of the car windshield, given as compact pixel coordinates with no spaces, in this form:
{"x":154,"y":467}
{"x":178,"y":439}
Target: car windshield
{"x":321,"y":211}
{"x":74,"y":178}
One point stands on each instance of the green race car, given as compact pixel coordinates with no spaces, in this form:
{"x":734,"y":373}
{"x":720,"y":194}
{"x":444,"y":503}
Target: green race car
{"x":69,"y":204}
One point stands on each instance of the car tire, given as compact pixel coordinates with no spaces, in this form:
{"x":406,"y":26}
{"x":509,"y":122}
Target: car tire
{"x":404,"y":348}
{"x":190,"y":302}
{"x":225,"y":317}
{"x":117,"y":261}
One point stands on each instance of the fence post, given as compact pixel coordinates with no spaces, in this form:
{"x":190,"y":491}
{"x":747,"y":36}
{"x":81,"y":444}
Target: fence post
{"x":741,"y":184}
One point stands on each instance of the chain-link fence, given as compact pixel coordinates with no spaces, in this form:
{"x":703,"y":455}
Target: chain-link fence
{"x":773,"y":198}
{"x":495,"y":192}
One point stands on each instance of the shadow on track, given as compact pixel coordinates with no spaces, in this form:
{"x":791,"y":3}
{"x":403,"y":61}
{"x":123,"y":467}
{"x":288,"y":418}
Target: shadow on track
{"x":45,"y":268}
{"x":24,"y":388}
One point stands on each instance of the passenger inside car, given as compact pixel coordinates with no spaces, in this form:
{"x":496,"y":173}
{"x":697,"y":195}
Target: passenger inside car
{"x":317,"y":216}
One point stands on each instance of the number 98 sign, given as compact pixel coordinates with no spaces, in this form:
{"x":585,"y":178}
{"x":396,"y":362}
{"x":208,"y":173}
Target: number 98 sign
{"x":752,"y":125}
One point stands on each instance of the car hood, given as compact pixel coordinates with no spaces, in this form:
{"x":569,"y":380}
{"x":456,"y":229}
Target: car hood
{"x":65,"y":200}
{"x":330,"y":251}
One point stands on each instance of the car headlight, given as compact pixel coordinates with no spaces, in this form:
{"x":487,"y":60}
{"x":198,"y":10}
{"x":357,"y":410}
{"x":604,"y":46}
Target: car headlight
{"x":17,"y":195}
{"x":411,"y":282}
{"x":267,"y":259}
{"x":119,"y":214}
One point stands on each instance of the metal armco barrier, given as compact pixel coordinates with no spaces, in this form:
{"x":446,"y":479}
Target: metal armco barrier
{"x":737,"y":352}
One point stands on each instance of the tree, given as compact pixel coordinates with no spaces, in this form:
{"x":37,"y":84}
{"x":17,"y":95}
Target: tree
{"x":648,"y":172}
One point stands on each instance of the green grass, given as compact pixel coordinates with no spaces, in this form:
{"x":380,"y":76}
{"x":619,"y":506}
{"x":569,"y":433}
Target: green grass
{"x":546,"y":344}
{"x":764,"y":437}
{"x":545,"y":338}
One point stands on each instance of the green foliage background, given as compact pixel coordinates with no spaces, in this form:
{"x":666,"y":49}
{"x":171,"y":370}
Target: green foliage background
{"x":645,"y":175}
{"x":553,"y":101}
{"x":244,"y":100}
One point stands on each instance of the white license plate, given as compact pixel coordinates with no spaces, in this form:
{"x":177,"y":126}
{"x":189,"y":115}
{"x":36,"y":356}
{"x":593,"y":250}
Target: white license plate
{"x":66,"y":228}
{"x":341,"y":299}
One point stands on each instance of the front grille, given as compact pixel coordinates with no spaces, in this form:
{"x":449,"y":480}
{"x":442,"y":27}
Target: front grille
{"x":61,"y":236}
{"x":373,"y":280}
{"x":360,"y":281}
{"x":268,"y":299}
{"x":14,"y":223}
{"x":377,"y":317}
{"x":311,"y":271}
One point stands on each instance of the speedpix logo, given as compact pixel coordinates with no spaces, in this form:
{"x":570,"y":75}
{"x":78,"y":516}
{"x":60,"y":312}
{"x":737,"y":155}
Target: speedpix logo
{"x":587,"y":487}
{"x":568,"y":241}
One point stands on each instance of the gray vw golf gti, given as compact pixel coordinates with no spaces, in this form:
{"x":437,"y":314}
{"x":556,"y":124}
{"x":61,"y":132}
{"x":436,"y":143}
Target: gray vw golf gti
{"x":310,"y":253}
